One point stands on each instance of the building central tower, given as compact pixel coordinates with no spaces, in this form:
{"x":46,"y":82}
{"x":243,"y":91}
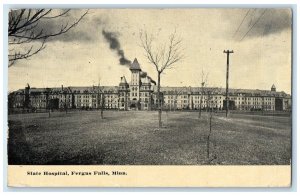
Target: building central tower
{"x":135,"y":84}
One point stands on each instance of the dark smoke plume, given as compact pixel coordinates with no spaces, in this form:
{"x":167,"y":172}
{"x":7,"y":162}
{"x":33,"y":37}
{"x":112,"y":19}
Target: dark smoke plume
{"x":152,"y":80}
{"x":114,"y":44}
{"x":144,"y":74}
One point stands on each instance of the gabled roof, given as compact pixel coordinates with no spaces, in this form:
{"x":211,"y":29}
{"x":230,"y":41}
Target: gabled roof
{"x":123,"y":80}
{"x":135,"y":65}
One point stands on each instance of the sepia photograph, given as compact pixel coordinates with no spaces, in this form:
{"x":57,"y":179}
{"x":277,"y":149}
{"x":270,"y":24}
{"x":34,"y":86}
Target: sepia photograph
{"x":150,"y":86}
{"x":148,"y":97}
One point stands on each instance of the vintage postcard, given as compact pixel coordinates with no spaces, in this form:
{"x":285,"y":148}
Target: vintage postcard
{"x":194,"y":97}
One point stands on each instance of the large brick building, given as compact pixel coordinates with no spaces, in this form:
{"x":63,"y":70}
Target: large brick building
{"x":141,"y":94}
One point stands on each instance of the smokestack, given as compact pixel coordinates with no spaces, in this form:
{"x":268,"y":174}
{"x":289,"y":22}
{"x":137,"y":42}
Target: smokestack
{"x":143,"y":74}
{"x":114,"y":44}
{"x":62,"y":87}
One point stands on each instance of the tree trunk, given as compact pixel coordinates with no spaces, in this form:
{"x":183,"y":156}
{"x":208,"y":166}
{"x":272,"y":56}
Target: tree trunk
{"x":200,"y":107}
{"x":208,"y":138}
{"x":175,"y":103}
{"x":159,"y":100}
{"x":202,"y":84}
{"x":66,"y":107}
{"x":47,"y":103}
{"x":102,"y":106}
{"x":125,"y":103}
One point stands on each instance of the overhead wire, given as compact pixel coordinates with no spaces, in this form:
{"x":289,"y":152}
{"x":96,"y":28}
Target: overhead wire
{"x":241,"y":23}
{"x":254,"y":24}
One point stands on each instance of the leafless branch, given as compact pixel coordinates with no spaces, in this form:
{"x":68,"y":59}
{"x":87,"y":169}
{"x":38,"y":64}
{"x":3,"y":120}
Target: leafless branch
{"x":59,"y":15}
{"x":23,"y":29}
{"x":165,"y":55}
{"x":30,"y":52}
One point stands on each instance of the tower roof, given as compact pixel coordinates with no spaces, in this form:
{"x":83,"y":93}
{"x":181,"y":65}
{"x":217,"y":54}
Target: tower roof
{"x":273,"y":86}
{"x":135,"y":65}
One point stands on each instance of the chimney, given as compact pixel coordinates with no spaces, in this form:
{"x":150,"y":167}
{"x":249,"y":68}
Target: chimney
{"x":62,"y":87}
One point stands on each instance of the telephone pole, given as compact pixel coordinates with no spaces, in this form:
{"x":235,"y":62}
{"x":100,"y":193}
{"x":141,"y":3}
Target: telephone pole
{"x":227,"y":76}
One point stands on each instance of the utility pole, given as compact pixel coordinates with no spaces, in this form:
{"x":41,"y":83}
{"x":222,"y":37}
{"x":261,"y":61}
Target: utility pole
{"x":227,"y":76}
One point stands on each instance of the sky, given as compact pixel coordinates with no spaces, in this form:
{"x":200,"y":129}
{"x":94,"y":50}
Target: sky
{"x":260,"y":39}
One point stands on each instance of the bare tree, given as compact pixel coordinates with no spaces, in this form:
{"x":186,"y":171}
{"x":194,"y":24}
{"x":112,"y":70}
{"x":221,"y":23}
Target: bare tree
{"x":25,"y":31}
{"x":101,"y":97}
{"x":48,"y":104}
{"x":65,"y":92}
{"x":208,"y":95}
{"x":210,"y":157}
{"x":211,"y":104}
{"x":102,"y":104}
{"x":203,"y":84}
{"x":165,"y":56}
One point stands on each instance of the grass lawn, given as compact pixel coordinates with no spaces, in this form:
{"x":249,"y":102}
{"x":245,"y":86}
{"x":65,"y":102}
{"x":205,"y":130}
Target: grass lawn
{"x":132,"y":137}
